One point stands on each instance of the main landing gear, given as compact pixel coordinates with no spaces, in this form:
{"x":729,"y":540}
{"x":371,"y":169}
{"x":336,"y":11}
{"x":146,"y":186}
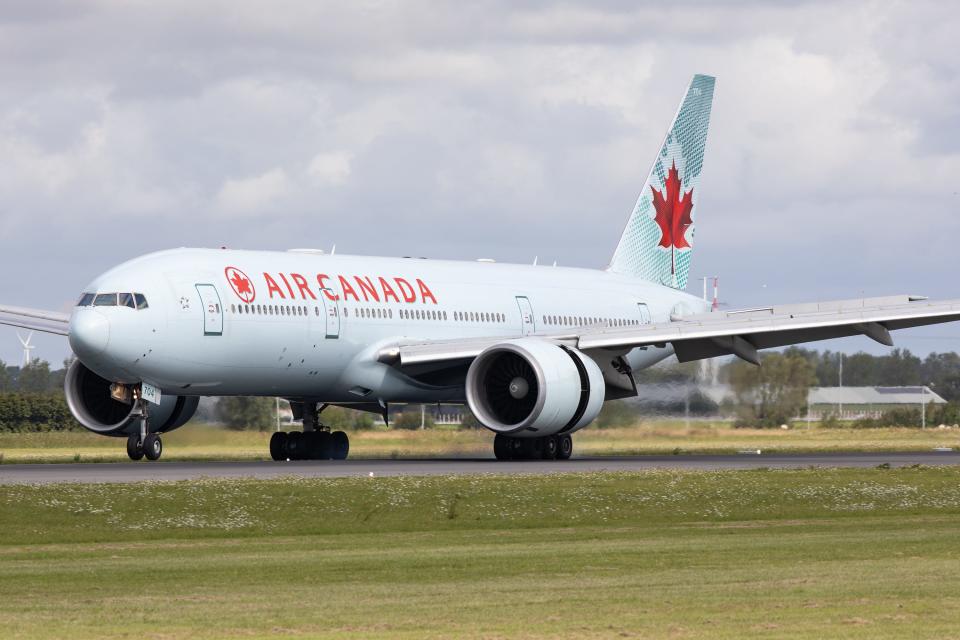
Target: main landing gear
{"x":558,"y":447}
{"x":309,"y":445}
{"x":315,"y":442}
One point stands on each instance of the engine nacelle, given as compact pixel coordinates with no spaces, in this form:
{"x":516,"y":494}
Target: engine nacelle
{"x":530,"y":388}
{"x":90,"y":402}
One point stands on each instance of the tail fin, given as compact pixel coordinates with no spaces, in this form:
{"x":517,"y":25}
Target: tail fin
{"x":658,"y":239}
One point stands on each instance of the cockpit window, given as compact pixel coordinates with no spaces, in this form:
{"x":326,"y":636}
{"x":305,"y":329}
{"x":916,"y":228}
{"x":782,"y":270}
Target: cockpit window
{"x":131,"y":300}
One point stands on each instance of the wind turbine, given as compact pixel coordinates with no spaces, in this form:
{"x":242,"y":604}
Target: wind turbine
{"x":27,"y":348}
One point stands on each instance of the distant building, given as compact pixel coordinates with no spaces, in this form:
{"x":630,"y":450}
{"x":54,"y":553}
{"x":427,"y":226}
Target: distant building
{"x":866,"y":402}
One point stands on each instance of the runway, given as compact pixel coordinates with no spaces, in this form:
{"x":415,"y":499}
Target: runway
{"x":168,"y":471}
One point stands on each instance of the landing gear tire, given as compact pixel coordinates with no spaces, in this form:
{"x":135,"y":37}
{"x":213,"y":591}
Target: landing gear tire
{"x":339,"y":445}
{"x":134,"y":448}
{"x":152,"y":446}
{"x":295,"y":448}
{"x":317,"y":445}
{"x":278,"y":445}
{"x":502,"y":449}
{"x":549,"y":448}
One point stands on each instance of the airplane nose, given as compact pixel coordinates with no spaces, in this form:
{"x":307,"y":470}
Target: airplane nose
{"x":89,"y":333}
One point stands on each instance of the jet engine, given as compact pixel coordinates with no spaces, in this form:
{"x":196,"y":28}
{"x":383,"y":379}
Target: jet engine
{"x":92,"y":404}
{"x":532,"y":388}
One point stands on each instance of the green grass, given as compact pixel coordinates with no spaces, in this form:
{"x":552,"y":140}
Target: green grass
{"x":203,"y":442}
{"x":770,"y":554}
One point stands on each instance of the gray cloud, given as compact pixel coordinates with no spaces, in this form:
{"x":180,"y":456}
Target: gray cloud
{"x":477,"y":129}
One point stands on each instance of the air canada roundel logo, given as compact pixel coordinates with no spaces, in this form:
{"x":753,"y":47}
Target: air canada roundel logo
{"x":241,"y":284}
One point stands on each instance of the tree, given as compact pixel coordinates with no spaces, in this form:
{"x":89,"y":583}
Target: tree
{"x":410,"y":419}
{"x":774,"y":392}
{"x":35,"y":377}
{"x":57,"y":377}
{"x":943,"y":371}
{"x":615,"y":413}
{"x":5,"y":381}
{"x":242,"y":412}
{"x":900,"y":368}
{"x":468,"y":420}
{"x":342,"y":418}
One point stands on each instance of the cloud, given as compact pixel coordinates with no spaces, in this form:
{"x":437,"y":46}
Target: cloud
{"x":490,"y":129}
{"x":330,"y":168}
{"x":255,"y":195}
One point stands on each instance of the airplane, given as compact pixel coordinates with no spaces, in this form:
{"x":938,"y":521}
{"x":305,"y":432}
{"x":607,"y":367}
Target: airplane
{"x":534,"y":351}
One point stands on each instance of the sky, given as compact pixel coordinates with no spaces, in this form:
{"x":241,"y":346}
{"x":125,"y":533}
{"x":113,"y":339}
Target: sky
{"x":480,"y":129}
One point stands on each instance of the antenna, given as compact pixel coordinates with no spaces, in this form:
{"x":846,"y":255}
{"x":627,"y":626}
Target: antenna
{"x":27,"y":348}
{"x":715,"y":303}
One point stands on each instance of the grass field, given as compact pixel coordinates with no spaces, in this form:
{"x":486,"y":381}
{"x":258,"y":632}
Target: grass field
{"x":746,"y":554}
{"x":203,"y":442}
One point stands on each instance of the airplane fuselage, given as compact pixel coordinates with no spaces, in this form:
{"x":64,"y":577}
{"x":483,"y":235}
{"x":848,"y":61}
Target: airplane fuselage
{"x":308,"y":324}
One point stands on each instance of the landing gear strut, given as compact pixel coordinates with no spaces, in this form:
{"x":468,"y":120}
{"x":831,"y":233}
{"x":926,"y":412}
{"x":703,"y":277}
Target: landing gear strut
{"x":315,"y":442}
{"x":557,"y":447}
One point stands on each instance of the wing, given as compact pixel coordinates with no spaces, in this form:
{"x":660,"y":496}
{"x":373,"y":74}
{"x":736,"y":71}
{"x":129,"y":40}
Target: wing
{"x":741,"y":333}
{"x":36,"y":320}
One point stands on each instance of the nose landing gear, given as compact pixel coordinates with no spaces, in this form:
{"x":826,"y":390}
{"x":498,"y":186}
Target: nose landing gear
{"x":144,"y":444}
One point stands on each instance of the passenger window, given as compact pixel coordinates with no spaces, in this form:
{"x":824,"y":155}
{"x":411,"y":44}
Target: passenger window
{"x":105,"y":300}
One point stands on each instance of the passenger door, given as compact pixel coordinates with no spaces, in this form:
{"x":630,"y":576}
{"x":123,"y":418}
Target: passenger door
{"x":528,"y":322}
{"x":332,"y":314}
{"x":644,"y":313}
{"x":212,"y":311}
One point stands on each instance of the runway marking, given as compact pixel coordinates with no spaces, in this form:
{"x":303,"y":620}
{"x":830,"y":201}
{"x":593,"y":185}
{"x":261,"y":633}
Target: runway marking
{"x":142,"y":471}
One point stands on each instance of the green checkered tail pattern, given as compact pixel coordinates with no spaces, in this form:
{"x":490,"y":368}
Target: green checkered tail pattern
{"x":658,"y":239}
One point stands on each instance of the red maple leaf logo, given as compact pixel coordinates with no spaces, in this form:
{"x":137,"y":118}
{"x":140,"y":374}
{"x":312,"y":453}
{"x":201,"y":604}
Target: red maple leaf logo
{"x":241,"y":284}
{"x":673,"y":214}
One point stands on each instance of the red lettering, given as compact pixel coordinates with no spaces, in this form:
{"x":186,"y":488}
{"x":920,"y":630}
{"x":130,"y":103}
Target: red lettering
{"x":326,"y":290}
{"x":302,"y":286}
{"x":388,"y":291}
{"x":425,"y":292}
{"x":406,"y":290}
{"x":366,"y":286}
{"x":347,"y":289}
{"x":289,"y":288}
{"x":272,"y":286}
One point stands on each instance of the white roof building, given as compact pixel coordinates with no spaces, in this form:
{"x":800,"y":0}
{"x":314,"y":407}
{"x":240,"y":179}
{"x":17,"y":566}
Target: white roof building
{"x":850,"y":402}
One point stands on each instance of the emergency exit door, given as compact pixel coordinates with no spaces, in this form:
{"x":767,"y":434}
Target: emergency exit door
{"x":528,"y":324}
{"x":212,"y":311}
